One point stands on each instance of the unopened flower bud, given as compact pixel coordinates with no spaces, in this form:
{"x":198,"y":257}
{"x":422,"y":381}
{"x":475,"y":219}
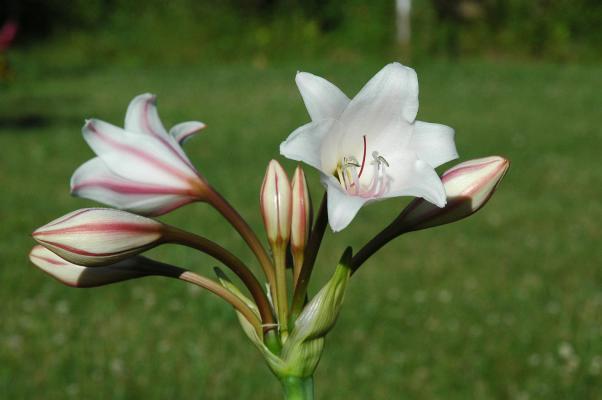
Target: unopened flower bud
{"x":84,"y":277}
{"x":99,"y":236}
{"x":301,"y":213}
{"x":468,"y":187}
{"x":275,"y":201}
{"x":302,"y":350}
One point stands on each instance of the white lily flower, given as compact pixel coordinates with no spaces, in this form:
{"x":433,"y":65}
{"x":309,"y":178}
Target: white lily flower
{"x":371,"y":147}
{"x":141,"y":168}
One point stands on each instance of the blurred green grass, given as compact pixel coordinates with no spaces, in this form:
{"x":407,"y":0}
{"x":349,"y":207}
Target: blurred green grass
{"x":507,"y":304}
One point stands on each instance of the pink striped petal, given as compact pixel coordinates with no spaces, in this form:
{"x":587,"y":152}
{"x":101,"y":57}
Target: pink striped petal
{"x":99,"y":236}
{"x":95,"y":181}
{"x":468,"y":186}
{"x":139,"y":157}
{"x":185,"y":130}
{"x":142,"y":116}
{"x":84,"y":277}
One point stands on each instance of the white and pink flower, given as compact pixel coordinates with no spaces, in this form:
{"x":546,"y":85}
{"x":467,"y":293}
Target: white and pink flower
{"x":468,"y":186}
{"x":99,"y":236}
{"x":275,"y":202}
{"x":371,"y":147}
{"x":301,"y":212}
{"x":141,"y":168}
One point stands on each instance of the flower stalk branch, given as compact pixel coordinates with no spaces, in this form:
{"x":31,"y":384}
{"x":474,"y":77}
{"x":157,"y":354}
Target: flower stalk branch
{"x":246,"y":232}
{"x":160,"y":269}
{"x":178,"y":236}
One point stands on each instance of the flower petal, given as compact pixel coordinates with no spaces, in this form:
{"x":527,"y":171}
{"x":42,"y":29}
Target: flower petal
{"x":138,"y":157}
{"x":434,"y":143}
{"x":411,"y":176}
{"x":99,"y":236}
{"x":95,"y":181}
{"x":142,"y":116}
{"x":322,"y":99}
{"x":386,"y":105}
{"x":84,"y":277}
{"x":305,"y":143}
{"x":342,"y":207}
{"x":185,"y":130}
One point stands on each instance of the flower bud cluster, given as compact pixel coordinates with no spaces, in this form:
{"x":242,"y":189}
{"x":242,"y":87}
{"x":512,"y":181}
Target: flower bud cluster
{"x":285,"y":208}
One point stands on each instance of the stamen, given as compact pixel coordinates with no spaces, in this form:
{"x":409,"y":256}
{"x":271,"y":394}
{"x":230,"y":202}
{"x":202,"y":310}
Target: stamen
{"x":359,"y":175}
{"x":379,"y":159}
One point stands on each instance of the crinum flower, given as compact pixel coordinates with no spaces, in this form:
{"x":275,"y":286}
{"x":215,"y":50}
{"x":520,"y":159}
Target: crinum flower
{"x":141,"y":168}
{"x":371,"y":147}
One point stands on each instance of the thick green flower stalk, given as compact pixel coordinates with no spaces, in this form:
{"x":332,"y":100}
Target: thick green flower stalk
{"x":366,"y":149}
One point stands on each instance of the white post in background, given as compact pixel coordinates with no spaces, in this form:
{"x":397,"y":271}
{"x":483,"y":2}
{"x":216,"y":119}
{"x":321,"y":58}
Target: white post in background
{"x":403,"y":8}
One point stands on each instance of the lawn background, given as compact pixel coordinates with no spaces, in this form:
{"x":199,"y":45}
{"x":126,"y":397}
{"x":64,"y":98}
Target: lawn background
{"x":507,"y":304}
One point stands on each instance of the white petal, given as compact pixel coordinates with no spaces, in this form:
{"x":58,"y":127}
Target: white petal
{"x":411,"y":176}
{"x":84,"y":277}
{"x":434,"y":143}
{"x":96,"y":236}
{"x":138,"y":157}
{"x":322,"y":99}
{"x":305,"y":143}
{"x":185,"y":130}
{"x":142,"y":116}
{"x":342,"y":207}
{"x":95,"y":181}
{"x":386,"y":105}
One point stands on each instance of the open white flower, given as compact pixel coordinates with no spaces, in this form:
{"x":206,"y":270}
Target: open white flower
{"x":141,"y":168}
{"x":370,"y":147}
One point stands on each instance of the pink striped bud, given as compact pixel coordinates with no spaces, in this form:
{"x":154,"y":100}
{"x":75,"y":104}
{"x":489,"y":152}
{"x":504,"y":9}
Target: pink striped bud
{"x":301,"y":213}
{"x":99,"y":236}
{"x":468,"y":187}
{"x":84,"y":277}
{"x":275,"y":202}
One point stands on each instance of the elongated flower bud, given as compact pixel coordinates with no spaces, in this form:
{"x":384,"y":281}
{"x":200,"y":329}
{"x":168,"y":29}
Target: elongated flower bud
{"x":301,"y":213}
{"x":85,"y":277}
{"x":275,"y":201}
{"x":468,"y":186}
{"x":99,"y":236}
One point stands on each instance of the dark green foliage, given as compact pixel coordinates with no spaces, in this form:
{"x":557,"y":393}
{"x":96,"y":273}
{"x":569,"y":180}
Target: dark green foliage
{"x":179,"y":31}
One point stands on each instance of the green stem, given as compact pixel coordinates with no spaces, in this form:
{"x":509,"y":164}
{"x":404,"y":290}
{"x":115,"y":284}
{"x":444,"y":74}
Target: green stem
{"x":311,"y":252}
{"x":161,"y":269}
{"x":178,"y":236}
{"x":281,"y":289}
{"x":245,"y":231}
{"x":296,"y":388}
{"x":376,"y":243}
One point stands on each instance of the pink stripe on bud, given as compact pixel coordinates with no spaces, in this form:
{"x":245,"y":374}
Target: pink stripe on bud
{"x":275,"y":201}
{"x":84,"y":277}
{"x":301,"y":212}
{"x":99,"y":236}
{"x":468,"y":187}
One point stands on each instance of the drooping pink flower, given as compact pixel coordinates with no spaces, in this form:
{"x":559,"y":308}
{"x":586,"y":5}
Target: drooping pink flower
{"x":141,"y":168}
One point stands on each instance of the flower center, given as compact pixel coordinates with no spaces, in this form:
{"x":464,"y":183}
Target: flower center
{"x":349,"y":171}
